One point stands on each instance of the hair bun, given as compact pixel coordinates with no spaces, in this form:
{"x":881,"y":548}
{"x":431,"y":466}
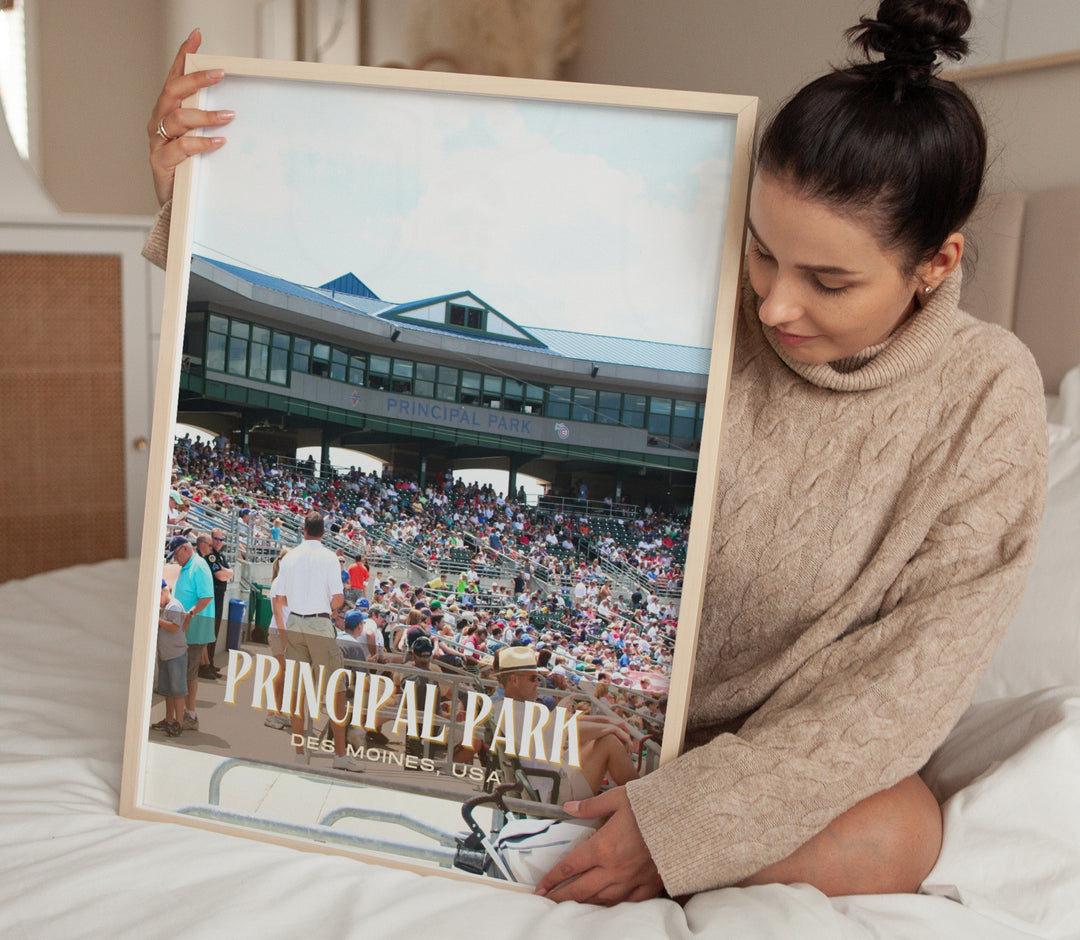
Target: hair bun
{"x":913,"y":33}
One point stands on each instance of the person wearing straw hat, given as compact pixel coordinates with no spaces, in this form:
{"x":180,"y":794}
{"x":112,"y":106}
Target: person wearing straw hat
{"x":604,"y":745}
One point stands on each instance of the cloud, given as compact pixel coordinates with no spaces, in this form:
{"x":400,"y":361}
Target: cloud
{"x":582,"y":219}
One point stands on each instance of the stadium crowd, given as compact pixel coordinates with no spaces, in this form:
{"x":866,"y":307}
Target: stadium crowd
{"x":562,"y":597}
{"x":650,"y":545}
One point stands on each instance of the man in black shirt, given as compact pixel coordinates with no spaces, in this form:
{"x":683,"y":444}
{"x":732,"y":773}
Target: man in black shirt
{"x":213,"y":551}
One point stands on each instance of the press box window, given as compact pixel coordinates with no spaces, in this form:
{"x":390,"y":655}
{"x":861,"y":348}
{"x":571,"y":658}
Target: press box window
{"x":424,"y":384}
{"x":682,"y":425}
{"x":402,"y":376}
{"x":378,"y":372}
{"x":217,"y":341}
{"x":633,"y":411}
{"x":469,"y":317}
{"x":660,"y":416}
{"x":320,"y":359}
{"x":301,"y":355}
{"x":259,"y":356}
{"x":492,"y":397}
{"x":357,"y":370}
{"x":513,"y":395}
{"x":558,"y":402}
{"x":534,"y":400}
{"x":607,"y":407}
{"x":584,"y":405}
{"x":339,"y":364}
{"x":238,"y":347}
{"x":470,"y":388}
{"x":279,"y":359}
{"x":446,"y":390}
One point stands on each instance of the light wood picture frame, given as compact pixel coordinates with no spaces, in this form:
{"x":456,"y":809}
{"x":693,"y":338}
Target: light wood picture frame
{"x":364,"y":235}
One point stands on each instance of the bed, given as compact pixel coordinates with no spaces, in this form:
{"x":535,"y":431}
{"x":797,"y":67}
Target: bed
{"x":1008,"y":777}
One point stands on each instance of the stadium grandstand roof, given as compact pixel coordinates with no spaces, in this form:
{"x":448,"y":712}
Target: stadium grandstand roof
{"x":349,"y":293}
{"x":323,"y":295}
{"x":623,"y":351}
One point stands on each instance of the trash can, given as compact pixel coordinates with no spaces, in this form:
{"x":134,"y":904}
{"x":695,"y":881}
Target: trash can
{"x":237,"y":619}
{"x":262,"y":611}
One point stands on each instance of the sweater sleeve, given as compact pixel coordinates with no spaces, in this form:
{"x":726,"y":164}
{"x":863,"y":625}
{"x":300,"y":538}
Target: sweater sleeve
{"x":156,"y":249}
{"x":869,"y":709}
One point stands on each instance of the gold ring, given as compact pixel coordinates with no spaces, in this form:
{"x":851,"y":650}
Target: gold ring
{"x":162,"y":134}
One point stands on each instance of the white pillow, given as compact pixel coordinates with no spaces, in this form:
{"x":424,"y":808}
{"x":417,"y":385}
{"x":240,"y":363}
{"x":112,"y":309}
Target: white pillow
{"x":1064,"y":407}
{"x":1042,"y":646}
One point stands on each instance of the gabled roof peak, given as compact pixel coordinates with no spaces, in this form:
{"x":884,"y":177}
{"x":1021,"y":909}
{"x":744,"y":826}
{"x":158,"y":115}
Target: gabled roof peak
{"x":350,"y":284}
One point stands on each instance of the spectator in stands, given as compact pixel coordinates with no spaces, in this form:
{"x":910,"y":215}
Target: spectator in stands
{"x":605,"y":746}
{"x":400,"y":594}
{"x":194,"y":590}
{"x":558,"y":679}
{"x":358,"y":579}
{"x":276,"y":639}
{"x":172,"y":662}
{"x":212,"y":549}
{"x":495,"y":639}
{"x":176,"y":514}
{"x":311,"y":585}
{"x":354,"y":638}
{"x":243,"y":532}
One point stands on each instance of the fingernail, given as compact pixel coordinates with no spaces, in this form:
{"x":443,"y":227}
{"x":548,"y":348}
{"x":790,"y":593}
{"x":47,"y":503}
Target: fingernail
{"x":217,"y":141}
{"x":572,"y":806}
{"x":216,"y":73}
{"x":541,"y":892}
{"x":226,"y":115}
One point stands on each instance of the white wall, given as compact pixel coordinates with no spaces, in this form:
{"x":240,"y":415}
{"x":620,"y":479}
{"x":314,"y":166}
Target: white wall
{"x":769,"y":48}
{"x":101,"y":66}
{"x":98,"y":73}
{"x":1034,"y":127}
{"x":766,"y":48}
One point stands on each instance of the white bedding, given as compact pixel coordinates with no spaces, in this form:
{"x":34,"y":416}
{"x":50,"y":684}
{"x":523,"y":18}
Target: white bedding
{"x":71,"y":867}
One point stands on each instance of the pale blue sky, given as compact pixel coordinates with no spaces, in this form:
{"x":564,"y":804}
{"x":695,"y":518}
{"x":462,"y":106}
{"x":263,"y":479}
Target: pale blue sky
{"x":594,"y":218}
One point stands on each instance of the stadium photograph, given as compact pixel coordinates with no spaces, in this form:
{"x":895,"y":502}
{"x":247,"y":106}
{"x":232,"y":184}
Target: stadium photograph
{"x":528,"y":287}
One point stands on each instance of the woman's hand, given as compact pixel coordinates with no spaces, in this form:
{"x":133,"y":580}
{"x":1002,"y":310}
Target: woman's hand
{"x":175,"y":121}
{"x":612,"y":865}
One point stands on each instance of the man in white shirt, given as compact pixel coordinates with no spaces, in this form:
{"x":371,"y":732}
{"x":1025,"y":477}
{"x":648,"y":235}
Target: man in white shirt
{"x":311,"y":584}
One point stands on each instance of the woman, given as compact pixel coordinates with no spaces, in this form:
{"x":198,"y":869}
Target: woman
{"x":881,"y":481}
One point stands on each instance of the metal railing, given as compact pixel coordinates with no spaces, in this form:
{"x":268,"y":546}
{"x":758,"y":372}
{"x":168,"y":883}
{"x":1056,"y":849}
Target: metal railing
{"x":586,"y":507}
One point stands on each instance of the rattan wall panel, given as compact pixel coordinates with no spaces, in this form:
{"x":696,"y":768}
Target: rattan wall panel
{"x":61,"y":402}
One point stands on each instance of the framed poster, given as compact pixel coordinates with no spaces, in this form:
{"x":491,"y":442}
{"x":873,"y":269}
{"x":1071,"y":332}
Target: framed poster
{"x":444,"y":272}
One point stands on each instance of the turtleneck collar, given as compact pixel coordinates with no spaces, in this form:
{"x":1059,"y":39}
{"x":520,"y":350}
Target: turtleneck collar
{"x":909,"y":350}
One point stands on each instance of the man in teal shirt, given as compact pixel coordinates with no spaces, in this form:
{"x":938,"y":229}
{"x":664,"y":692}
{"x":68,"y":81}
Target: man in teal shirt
{"x":195,"y":590}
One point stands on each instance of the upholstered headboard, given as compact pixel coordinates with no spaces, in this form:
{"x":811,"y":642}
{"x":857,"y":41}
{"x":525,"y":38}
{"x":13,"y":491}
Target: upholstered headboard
{"x":1026,"y":250}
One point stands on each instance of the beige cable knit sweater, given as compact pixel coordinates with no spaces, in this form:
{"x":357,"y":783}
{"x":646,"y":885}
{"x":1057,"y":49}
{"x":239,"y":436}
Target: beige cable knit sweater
{"x":876,"y":520}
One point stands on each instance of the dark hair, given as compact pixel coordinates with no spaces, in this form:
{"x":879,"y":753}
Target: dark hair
{"x":313,"y":524}
{"x":887,"y":140}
